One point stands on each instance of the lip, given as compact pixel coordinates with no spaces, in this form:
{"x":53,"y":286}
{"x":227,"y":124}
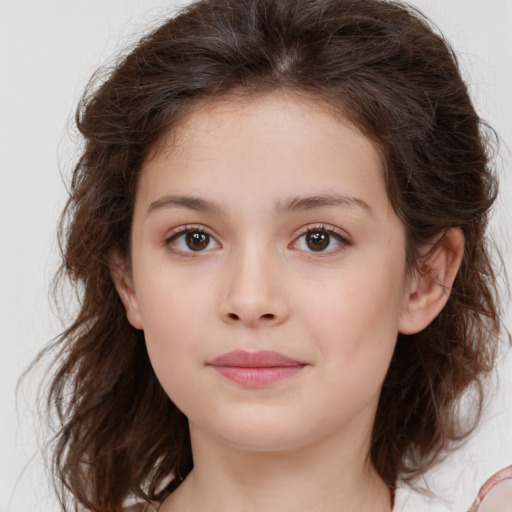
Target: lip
{"x":256,"y":369}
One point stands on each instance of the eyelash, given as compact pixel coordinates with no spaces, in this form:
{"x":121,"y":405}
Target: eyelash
{"x":183,"y":231}
{"x":342,"y":240}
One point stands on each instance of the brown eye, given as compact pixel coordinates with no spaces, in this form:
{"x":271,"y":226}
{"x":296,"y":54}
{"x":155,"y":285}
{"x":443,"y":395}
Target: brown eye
{"x":318,"y":240}
{"x":322,"y":240}
{"x":197,"y":241}
{"x":190,"y":240}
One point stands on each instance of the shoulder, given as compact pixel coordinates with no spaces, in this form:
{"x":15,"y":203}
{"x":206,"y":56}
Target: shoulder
{"x":496,"y":494}
{"x":408,"y":499}
{"x":142,"y":507}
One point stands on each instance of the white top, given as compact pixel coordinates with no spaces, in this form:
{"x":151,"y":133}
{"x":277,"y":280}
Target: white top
{"x":408,"y":500}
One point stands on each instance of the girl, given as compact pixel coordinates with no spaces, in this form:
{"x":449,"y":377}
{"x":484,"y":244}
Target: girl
{"x":277,"y":226}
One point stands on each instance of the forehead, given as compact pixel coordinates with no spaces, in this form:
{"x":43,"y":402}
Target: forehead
{"x":290,"y":140}
{"x":262,"y":110}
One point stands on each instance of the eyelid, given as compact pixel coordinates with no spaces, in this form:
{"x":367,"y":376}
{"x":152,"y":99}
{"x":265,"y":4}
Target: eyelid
{"x":340,"y":235}
{"x":183,"y":230}
{"x":343,"y":238}
{"x":320,"y":226}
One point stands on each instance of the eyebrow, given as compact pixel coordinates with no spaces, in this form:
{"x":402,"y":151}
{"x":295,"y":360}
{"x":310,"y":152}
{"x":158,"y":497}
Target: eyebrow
{"x":320,"y":201}
{"x":293,"y":204}
{"x":188,"y":202}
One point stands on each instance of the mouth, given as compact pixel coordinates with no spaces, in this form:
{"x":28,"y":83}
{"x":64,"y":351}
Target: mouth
{"x":256,"y":369}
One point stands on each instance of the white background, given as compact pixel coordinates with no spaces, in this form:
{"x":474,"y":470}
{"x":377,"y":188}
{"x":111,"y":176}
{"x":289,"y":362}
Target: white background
{"x":48,"y":50}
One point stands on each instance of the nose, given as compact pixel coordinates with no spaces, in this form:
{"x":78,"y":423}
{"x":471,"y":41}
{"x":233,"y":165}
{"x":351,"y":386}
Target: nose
{"x":253,"y":291}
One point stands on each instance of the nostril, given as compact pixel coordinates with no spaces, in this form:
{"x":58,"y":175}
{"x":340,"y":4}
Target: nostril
{"x":265,"y":317}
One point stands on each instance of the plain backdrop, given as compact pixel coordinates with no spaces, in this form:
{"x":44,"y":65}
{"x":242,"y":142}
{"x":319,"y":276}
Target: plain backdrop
{"x":48,"y":50}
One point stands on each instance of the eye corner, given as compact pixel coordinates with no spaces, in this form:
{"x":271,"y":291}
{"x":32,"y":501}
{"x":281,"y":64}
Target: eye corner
{"x":323,"y":242}
{"x":180,"y":240}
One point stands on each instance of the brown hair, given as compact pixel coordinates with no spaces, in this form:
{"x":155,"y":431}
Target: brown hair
{"x":384,"y":68}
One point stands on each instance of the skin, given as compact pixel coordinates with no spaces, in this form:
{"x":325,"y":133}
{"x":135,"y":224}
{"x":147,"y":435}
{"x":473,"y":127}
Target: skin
{"x":496,"y":494}
{"x":301,"y":443}
{"x":499,"y":499}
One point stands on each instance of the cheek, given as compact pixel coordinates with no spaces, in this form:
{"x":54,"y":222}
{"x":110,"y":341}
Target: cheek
{"x":358,"y":306}
{"x":172,"y":299}
{"x":171,"y":313}
{"x":355,"y":325}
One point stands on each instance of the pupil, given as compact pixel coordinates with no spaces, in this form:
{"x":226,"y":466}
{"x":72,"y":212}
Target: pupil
{"x":197,"y":241}
{"x":317,"y":240}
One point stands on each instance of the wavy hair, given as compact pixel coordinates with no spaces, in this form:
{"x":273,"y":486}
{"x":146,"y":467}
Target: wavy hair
{"x":382,"y":66}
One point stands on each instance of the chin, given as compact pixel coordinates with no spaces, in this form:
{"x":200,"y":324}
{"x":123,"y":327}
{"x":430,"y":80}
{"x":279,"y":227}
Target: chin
{"x":260,"y":435}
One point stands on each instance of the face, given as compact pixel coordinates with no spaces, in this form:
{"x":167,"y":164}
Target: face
{"x":268,"y":273}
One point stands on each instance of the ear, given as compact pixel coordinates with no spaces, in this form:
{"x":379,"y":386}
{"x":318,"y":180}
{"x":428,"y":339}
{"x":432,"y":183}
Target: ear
{"x":429,"y":288}
{"x":123,"y":280}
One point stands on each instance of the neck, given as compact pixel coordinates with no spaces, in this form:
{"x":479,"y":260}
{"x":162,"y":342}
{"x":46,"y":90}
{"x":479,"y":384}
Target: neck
{"x":323,"y":477}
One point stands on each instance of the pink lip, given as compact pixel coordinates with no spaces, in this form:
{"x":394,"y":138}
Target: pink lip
{"x":256,"y":369}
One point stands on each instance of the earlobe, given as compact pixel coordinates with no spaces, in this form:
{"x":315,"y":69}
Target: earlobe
{"x":430,"y":286}
{"x":123,"y":281}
